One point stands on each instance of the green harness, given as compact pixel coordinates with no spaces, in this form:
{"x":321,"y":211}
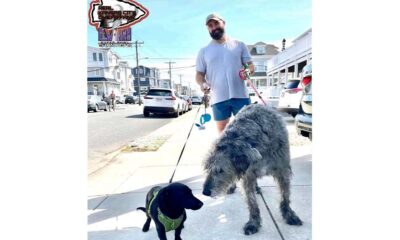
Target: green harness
{"x":169,"y":224}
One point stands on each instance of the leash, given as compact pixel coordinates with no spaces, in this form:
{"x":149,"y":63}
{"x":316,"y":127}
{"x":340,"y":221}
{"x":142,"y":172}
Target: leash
{"x":183,"y":148}
{"x":245,"y":75}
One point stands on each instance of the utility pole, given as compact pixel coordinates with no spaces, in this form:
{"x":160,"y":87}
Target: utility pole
{"x":137,"y":66}
{"x":180,"y":81}
{"x":170,"y":79}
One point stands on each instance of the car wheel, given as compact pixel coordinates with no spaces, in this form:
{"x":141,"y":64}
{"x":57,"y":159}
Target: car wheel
{"x":176,"y":114}
{"x":146,"y":113}
{"x":96,"y":108}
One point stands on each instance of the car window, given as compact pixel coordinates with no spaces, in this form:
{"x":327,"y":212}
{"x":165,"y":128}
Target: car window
{"x":292,"y":84}
{"x":159,"y":92}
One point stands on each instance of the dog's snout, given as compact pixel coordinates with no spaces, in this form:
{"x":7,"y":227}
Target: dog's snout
{"x":206,"y":192}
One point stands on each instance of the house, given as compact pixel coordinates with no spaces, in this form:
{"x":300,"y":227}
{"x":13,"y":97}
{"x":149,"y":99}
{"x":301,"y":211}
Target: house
{"x":260,"y":53}
{"x":165,"y":83}
{"x":127,"y":86}
{"x":104,"y":73}
{"x":149,"y":78}
{"x":289,"y":63}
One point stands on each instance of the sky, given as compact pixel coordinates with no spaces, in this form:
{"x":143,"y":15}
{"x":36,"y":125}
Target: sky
{"x":175,"y":29}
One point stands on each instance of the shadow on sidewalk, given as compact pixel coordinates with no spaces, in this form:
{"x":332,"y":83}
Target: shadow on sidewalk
{"x":105,"y":208}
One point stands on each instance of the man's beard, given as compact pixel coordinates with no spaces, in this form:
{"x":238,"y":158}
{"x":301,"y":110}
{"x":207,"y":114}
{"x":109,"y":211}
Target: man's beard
{"x":217,"y":33}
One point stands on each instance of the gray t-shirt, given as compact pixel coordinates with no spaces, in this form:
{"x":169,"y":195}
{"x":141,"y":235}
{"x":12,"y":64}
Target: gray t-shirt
{"x":221,"y":63}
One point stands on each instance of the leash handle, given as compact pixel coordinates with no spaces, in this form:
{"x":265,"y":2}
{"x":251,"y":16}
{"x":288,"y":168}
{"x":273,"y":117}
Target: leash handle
{"x":244,"y":74}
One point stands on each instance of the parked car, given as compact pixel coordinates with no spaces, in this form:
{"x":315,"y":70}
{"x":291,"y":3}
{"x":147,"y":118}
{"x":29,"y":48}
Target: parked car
{"x":95,"y":103}
{"x":303,"y":120}
{"x":289,"y":100}
{"x":189,"y":101}
{"x":163,"y":100}
{"x":130,"y":99}
{"x":120,"y":99}
{"x":197,"y":100}
{"x":271,"y":96}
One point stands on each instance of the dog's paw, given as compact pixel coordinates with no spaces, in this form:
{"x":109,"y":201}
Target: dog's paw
{"x":250,"y":228}
{"x":294,"y":220}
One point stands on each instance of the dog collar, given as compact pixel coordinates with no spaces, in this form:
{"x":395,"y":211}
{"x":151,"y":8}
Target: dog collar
{"x":168,"y":223}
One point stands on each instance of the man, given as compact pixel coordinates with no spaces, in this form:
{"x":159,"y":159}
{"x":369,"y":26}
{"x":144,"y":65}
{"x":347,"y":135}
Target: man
{"x":218,"y":65}
{"x":113,"y":100}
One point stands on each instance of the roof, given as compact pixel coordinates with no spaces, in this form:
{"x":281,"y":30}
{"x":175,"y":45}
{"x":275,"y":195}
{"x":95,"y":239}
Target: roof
{"x":303,"y":34}
{"x":270,"y":49}
{"x":101,"y":79}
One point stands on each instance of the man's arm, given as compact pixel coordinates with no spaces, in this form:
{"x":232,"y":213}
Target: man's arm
{"x":201,"y":80}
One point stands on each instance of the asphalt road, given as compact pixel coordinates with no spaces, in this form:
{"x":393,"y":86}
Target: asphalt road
{"x":109,"y":131}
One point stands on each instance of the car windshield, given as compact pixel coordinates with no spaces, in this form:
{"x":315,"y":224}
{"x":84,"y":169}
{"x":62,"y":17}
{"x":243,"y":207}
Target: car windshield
{"x":292,"y":84}
{"x":159,"y":92}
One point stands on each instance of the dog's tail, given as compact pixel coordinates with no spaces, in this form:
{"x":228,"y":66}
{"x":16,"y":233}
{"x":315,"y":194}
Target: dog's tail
{"x":141,"y":208}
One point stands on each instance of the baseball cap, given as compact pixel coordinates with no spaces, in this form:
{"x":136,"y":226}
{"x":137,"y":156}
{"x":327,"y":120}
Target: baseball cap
{"x":214,"y":16}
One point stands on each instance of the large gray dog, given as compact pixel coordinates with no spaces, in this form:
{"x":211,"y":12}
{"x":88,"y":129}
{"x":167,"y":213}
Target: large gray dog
{"x":255,"y":144}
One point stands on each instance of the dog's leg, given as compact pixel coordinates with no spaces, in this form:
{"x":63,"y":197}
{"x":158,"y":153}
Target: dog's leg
{"x":178,"y":232}
{"x":288,"y":214}
{"x":146,"y":224}
{"x":254,"y":223}
{"x":161,"y":231}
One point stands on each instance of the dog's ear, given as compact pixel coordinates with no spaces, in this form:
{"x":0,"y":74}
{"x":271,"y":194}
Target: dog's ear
{"x":241,"y":162}
{"x":253,"y":154}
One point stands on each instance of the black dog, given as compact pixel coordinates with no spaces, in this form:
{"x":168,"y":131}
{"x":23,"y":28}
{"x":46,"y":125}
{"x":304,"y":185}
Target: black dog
{"x":166,"y":206}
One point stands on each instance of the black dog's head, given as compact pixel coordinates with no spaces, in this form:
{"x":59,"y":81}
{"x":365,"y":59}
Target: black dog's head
{"x":179,"y":194}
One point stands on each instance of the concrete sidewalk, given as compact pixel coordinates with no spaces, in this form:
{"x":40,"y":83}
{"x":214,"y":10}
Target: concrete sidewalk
{"x":116,"y":191}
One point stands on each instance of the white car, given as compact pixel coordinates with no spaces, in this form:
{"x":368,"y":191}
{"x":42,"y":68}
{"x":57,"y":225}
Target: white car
{"x":289,"y":100}
{"x":163,"y":100}
{"x":196,"y":100}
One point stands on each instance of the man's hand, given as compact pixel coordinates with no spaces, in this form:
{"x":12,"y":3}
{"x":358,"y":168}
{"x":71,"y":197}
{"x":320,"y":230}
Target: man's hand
{"x":251,"y":67}
{"x":200,"y":79}
{"x":205,"y":88}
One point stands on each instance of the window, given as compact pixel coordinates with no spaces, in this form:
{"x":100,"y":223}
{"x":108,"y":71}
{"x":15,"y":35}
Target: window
{"x":94,"y":57}
{"x":159,"y":92}
{"x":260,"y":66}
{"x":100,"y":57}
{"x":260,"y":49}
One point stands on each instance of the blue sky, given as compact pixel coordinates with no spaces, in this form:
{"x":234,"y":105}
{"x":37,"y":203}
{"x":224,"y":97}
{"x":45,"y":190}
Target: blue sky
{"x":176,"y":28}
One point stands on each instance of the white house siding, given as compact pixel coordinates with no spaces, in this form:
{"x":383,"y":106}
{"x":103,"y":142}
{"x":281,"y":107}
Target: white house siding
{"x":298,"y":54}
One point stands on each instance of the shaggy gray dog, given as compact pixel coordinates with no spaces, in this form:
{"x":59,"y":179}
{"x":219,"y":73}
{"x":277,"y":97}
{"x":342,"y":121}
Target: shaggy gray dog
{"x":255,"y":144}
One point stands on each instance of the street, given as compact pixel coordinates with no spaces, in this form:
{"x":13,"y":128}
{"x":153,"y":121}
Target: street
{"x":109,"y":131}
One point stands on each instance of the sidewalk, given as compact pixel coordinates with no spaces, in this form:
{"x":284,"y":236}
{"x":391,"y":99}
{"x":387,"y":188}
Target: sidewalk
{"x":116,"y":191}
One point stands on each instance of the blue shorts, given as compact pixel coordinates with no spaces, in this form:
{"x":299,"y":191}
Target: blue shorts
{"x":224,"y":110}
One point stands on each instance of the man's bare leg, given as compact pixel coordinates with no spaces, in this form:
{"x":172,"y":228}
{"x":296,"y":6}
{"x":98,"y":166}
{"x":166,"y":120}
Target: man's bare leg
{"x":221,"y":125}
